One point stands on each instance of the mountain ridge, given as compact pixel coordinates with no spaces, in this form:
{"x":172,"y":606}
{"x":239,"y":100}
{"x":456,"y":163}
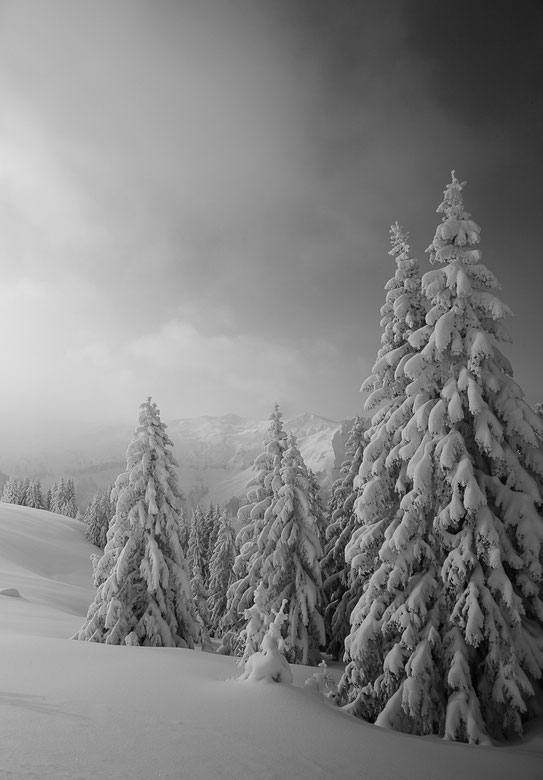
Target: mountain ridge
{"x":215,"y":454}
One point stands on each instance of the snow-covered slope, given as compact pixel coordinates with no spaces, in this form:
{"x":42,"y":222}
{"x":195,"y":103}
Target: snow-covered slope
{"x":47,"y":560}
{"x":87,"y":711}
{"x":215,"y":455}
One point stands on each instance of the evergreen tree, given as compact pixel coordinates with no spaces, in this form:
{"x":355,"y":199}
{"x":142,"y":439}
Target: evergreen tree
{"x":380,"y":476}
{"x":221,"y":571}
{"x":447,"y":637}
{"x":251,"y":539}
{"x":25,"y":486}
{"x":97,"y":517}
{"x":212,"y":523}
{"x":257,"y":621}
{"x":317,"y":505}
{"x":342,"y":585}
{"x":197,"y":565}
{"x":63,"y":500}
{"x":13,"y":492}
{"x":200,"y":598}
{"x":291,"y":560}
{"x":144,"y":594}
{"x":69,"y":501}
{"x":33,"y":495}
{"x":56,"y":493}
{"x":196,"y":551}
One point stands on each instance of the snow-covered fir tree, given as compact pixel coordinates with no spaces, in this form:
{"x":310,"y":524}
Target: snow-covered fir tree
{"x":291,"y":560}
{"x":97,"y":517}
{"x":211,"y":526}
{"x":196,"y":551}
{"x":33,"y":495}
{"x":221,"y":571}
{"x":56,"y":495}
{"x":69,"y":502}
{"x":63,"y":500}
{"x":253,"y":517}
{"x":341,"y":583}
{"x":144,"y":594}
{"x":318,"y":509}
{"x":379,"y":479}
{"x":14,"y":491}
{"x":24,"y":490}
{"x":447,"y":637}
{"x":200,"y":597}
{"x":269,"y":664}
{"x":198,"y":564}
{"x":257,"y":620}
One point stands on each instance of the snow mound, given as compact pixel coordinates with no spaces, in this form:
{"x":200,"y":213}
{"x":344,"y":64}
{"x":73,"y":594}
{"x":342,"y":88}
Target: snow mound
{"x":45,"y":557}
{"x":10,"y":592}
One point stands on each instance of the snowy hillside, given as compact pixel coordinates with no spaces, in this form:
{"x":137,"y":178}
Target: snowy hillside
{"x":82,"y":710}
{"x":215,"y":455}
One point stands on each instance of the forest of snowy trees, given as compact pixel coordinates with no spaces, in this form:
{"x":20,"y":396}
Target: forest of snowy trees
{"x":423,"y":571}
{"x":59,"y":498}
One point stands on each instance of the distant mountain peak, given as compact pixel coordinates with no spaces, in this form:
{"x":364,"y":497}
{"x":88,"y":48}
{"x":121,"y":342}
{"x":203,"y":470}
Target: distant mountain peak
{"x":215,"y":455}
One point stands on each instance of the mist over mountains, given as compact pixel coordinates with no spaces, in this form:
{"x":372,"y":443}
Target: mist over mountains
{"x":215,"y":455}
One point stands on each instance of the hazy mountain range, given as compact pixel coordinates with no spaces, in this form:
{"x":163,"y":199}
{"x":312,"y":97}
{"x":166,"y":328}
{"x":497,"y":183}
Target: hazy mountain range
{"x":215,"y":455}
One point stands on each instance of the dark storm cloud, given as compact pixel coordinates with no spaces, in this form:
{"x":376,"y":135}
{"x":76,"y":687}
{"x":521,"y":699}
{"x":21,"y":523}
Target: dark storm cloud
{"x":217,"y":179}
{"x":485,"y":67}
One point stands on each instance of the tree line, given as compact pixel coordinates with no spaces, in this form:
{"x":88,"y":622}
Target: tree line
{"x":59,"y":498}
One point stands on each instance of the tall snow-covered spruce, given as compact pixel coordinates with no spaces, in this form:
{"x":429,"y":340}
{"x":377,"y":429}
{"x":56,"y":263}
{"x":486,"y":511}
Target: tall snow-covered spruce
{"x":254,"y":519}
{"x":341,"y":583}
{"x":221,"y":570}
{"x":291,"y":560}
{"x":381,"y":478}
{"x":447,"y":637}
{"x":144,"y":595}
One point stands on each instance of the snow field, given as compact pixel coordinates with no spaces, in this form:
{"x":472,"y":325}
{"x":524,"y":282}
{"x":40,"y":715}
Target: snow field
{"x":81,"y":710}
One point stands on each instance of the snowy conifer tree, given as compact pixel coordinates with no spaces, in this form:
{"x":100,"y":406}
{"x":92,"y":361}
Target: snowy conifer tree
{"x":211,"y":526}
{"x":257,"y":620}
{"x":196,"y":551}
{"x":144,"y":594}
{"x":317,"y":505}
{"x":199,"y":597}
{"x":269,"y":663}
{"x":251,"y":539}
{"x":63,"y":500}
{"x":380,"y":479}
{"x":70,"y":508}
{"x":447,"y":637}
{"x":97,"y":517}
{"x":33,"y":495}
{"x":221,"y":571}
{"x":197,"y":564}
{"x":13,"y":492}
{"x":57,"y":492}
{"x":291,"y":562}
{"x":342,"y":586}
{"x":24,"y":490}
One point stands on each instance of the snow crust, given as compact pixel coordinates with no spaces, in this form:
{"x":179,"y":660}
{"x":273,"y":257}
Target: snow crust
{"x":84,"y":710}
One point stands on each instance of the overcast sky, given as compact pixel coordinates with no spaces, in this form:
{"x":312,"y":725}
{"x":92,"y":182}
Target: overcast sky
{"x":196,"y":195}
